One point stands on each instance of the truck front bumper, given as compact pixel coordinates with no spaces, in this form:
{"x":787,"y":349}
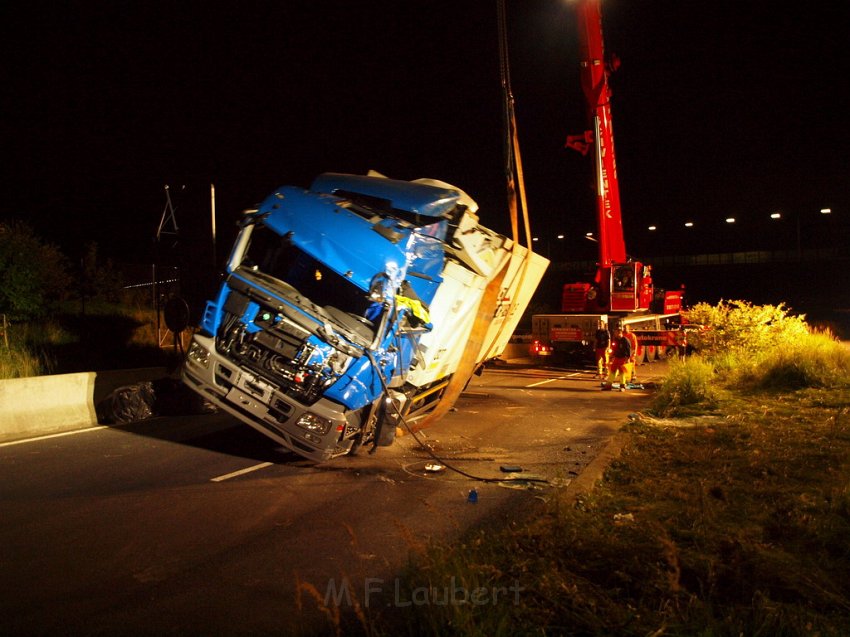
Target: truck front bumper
{"x":315,"y":431}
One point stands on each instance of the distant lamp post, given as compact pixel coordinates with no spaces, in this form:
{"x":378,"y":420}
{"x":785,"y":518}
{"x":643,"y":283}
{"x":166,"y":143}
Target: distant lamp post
{"x":652,"y":228}
{"x":776,"y":215}
{"x":826,"y":211}
{"x":730,"y":219}
{"x":689,"y":224}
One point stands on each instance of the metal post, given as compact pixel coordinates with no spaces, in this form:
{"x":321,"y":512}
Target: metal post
{"x":212,"y":218}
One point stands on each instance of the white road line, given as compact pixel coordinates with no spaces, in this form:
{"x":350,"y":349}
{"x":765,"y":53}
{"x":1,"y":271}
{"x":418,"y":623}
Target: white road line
{"x":48,"y":436}
{"x":552,"y":380}
{"x":256,"y":467}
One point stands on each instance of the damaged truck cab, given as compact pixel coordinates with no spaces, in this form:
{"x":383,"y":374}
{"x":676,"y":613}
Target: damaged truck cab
{"x":348,"y":306}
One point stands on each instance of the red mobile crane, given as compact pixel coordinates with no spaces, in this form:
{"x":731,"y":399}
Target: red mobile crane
{"x":622,"y":288}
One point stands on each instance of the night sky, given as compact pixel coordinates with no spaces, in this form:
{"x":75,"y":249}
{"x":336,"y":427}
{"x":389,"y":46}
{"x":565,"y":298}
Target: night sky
{"x":721,"y":108}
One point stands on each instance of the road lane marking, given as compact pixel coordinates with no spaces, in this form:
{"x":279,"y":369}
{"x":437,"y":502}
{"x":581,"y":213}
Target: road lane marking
{"x":552,"y":380}
{"x":227,"y":476}
{"x":49,"y":436}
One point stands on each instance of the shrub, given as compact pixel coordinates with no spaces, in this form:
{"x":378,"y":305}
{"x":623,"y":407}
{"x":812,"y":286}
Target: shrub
{"x":33,"y":275}
{"x":739,"y":327}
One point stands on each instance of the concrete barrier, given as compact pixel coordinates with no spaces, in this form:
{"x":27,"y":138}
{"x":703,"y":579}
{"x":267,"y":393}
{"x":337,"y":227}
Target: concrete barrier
{"x":41,"y":405}
{"x":46,"y":404}
{"x":514,"y":351}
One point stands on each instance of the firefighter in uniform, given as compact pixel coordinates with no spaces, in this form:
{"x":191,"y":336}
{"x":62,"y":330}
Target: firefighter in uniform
{"x":621,"y":352}
{"x":632,"y":337}
{"x":601,"y":342}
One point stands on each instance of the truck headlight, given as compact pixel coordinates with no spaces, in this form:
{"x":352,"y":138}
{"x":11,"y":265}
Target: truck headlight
{"x":199,"y":354}
{"x":312,"y":422}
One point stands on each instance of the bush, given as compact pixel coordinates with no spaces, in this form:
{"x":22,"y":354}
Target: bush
{"x":33,"y":275}
{"x":744,"y":329}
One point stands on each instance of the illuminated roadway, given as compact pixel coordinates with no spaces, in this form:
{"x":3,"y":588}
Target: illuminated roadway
{"x":201,"y":525}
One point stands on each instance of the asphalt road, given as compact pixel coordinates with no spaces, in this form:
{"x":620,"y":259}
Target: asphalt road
{"x":201,"y":525}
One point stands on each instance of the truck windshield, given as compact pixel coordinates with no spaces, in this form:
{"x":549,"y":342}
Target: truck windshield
{"x":270,"y":254}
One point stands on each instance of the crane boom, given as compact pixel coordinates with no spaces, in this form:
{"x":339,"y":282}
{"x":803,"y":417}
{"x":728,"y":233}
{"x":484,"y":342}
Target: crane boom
{"x":620,"y":284}
{"x":594,"y":81}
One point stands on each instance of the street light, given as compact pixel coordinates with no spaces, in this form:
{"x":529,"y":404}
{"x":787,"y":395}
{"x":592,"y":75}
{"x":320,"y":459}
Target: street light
{"x":778,"y":215}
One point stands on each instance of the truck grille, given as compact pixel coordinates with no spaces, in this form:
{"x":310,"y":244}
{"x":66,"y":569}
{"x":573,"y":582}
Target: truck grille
{"x":272,"y":354}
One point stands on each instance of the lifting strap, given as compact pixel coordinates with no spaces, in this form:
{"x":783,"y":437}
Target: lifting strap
{"x":513,"y":158}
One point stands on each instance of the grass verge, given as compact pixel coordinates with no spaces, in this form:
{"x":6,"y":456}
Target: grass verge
{"x":106,"y":337}
{"x":727,"y":513}
{"x":732,"y":522}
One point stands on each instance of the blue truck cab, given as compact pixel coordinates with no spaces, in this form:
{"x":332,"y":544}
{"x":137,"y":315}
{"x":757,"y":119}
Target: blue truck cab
{"x":315,"y":336}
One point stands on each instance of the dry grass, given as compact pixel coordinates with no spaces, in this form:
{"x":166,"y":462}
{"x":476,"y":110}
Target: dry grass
{"x":106,"y":337}
{"x":733,"y":523}
{"x":728,"y":512}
